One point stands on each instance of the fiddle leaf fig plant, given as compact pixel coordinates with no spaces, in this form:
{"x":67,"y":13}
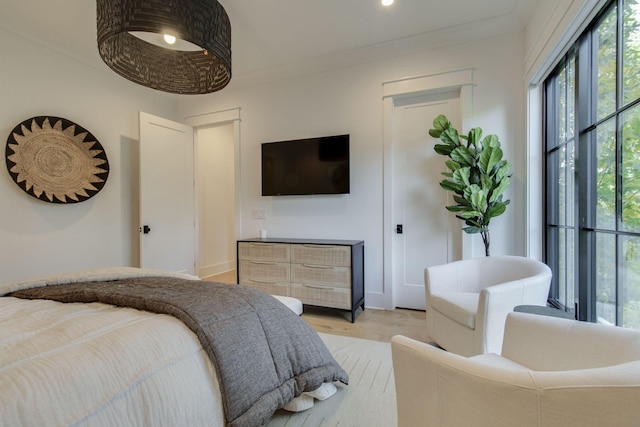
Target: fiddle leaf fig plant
{"x":477,"y":176}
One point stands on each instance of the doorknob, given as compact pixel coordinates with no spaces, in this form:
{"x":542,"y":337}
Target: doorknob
{"x":145,"y":229}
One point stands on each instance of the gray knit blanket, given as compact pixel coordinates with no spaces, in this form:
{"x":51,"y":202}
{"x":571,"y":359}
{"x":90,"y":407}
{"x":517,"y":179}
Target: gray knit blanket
{"x":263,"y":353}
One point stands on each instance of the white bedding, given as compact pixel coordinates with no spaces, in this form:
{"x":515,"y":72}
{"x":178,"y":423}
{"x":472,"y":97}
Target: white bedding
{"x":99,"y":365}
{"x":97,"y":275}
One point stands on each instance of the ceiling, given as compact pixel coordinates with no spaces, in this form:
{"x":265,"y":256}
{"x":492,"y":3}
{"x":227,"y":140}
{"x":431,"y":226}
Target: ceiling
{"x":278,"y":39}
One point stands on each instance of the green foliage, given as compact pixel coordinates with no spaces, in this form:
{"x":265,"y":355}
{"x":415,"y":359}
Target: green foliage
{"x":478,"y":176}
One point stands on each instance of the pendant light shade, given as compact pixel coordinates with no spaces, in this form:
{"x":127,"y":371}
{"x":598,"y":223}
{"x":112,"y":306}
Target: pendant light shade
{"x":203,"y":23}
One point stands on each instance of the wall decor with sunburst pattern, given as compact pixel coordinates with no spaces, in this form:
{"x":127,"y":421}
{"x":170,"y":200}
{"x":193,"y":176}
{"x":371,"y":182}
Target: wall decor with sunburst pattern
{"x":56,"y":160}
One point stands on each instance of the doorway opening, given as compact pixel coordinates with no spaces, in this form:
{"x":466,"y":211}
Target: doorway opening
{"x":215,"y":195}
{"x":217,"y":181}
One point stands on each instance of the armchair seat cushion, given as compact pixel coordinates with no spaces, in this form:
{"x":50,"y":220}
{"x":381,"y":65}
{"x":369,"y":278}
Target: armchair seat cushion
{"x":459,"y":306}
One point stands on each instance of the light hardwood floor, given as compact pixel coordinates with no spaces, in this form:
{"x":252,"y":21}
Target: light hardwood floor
{"x":378,"y":325}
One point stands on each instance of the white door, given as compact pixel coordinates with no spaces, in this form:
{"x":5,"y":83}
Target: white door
{"x":429,"y":234}
{"x":167,"y":195}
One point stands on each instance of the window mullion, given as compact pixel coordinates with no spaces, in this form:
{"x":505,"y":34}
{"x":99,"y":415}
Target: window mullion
{"x":551,"y":206}
{"x":618,"y":145}
{"x":586,"y":194}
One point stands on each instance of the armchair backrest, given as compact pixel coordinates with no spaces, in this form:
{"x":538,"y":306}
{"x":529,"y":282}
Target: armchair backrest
{"x":438,"y":388}
{"x":473,"y":275}
{"x":543,"y":343}
{"x":457,"y":276}
{"x":495,"y":270}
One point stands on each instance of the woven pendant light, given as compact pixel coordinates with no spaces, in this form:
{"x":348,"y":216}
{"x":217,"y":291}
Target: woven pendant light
{"x":203,"y":23}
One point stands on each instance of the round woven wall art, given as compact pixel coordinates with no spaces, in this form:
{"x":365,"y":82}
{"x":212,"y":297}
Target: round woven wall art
{"x":56,"y":160}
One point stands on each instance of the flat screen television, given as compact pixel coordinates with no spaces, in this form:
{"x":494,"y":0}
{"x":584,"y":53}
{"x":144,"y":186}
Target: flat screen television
{"x":306,"y":166}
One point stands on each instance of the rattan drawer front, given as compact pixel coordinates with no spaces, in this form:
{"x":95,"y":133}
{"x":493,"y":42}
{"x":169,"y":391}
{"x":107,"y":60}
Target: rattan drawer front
{"x":264,"y":271}
{"x":272,"y":288}
{"x":321,"y":275}
{"x":339,"y":256}
{"x":276,"y":252}
{"x":322,"y":295}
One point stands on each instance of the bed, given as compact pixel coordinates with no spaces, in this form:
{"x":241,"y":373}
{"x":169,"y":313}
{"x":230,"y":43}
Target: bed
{"x":75,"y":350}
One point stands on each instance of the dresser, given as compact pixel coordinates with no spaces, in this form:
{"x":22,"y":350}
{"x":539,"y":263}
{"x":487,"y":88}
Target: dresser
{"x":320,"y":272}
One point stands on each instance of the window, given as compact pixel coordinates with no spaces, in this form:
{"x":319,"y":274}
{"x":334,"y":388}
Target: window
{"x":592,"y":171}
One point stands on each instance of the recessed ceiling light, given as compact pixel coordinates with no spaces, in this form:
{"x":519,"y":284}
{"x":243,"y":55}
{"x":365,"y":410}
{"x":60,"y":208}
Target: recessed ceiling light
{"x":387,"y":2}
{"x":169,"y":38}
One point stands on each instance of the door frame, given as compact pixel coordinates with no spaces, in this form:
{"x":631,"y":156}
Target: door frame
{"x":216,"y":118}
{"x":461,"y":80}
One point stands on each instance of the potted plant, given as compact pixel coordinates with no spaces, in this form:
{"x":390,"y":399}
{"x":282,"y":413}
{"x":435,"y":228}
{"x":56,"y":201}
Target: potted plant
{"x":478,"y":176}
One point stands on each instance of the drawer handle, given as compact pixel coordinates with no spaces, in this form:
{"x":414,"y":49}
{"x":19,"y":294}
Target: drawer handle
{"x":261,"y":281}
{"x":262,"y":263}
{"x":322,"y":267}
{"x":262,"y":244}
{"x":320,"y":246}
{"x":317,"y":287}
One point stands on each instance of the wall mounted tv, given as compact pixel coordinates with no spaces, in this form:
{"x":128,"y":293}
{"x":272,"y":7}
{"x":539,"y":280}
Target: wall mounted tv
{"x":306,"y":166}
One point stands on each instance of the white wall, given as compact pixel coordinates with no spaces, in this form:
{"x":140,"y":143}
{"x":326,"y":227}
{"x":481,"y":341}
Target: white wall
{"x":39,"y":238}
{"x":349,"y":100}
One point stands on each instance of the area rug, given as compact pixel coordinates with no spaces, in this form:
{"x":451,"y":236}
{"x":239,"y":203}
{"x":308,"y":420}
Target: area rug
{"x":369,"y":399}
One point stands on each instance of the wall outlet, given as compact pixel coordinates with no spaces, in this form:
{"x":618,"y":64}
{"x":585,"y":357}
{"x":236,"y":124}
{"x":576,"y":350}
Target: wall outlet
{"x":258,"y":214}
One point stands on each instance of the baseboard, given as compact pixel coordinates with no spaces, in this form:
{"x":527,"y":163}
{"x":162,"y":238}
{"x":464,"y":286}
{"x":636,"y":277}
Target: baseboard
{"x":213,"y":269}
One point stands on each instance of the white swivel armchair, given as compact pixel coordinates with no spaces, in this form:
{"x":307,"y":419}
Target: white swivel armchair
{"x":468,"y":301}
{"x":552,"y":372}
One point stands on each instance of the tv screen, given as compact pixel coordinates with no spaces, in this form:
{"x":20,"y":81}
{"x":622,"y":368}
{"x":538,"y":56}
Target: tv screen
{"x":306,"y":166}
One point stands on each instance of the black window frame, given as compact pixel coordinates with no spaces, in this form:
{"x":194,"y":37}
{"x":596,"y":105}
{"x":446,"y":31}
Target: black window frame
{"x":586,"y":123}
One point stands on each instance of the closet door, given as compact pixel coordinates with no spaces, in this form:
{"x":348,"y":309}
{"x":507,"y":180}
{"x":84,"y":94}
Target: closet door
{"x":428,"y":234}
